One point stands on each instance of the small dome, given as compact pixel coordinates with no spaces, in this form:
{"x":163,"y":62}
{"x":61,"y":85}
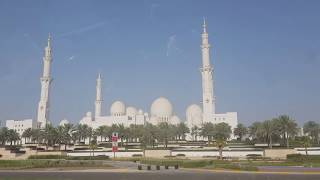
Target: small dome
{"x":140,"y":112}
{"x":175,"y":120}
{"x":89,"y":114}
{"x":161,"y":107}
{"x":131,"y":111}
{"x":63,"y":122}
{"x":194,"y":115}
{"x":118,"y":108}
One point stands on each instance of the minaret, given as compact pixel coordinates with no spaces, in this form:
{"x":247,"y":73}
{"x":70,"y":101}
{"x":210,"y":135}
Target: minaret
{"x":98,"y":97}
{"x":43,"y":109}
{"x":207,"y":79}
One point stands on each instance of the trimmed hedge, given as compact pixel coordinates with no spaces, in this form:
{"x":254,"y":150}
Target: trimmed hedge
{"x":39,"y":163}
{"x":303,"y":158}
{"x":68,"y":157}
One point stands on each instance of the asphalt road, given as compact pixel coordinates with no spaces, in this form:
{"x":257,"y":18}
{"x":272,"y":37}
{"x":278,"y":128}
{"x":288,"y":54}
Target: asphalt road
{"x":149,"y":175}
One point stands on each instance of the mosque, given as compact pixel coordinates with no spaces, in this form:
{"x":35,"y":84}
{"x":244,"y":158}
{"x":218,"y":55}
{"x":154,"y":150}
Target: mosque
{"x":161,"y":109}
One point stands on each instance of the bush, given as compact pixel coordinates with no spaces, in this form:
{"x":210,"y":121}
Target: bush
{"x":47,"y":157}
{"x":137,"y":155}
{"x":303,"y":158}
{"x":254,"y":156}
{"x":181,"y":155}
{"x":40,"y":163}
{"x":68,"y":157}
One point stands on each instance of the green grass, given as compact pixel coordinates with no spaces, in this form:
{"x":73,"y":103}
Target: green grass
{"x":68,"y":157}
{"x":39,"y":163}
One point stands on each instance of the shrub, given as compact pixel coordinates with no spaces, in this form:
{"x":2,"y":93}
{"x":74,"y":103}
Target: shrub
{"x":47,"y":157}
{"x":169,"y":156}
{"x":137,"y":155}
{"x":87,"y":157}
{"x":303,"y":158}
{"x":181,"y":155}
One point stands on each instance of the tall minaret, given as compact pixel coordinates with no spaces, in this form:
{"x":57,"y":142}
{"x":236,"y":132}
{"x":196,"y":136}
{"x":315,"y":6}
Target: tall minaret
{"x":98,"y":97}
{"x":207,"y":79}
{"x":43,"y":109}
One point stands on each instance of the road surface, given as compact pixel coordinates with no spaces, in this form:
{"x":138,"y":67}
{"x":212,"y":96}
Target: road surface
{"x":124,"y":174}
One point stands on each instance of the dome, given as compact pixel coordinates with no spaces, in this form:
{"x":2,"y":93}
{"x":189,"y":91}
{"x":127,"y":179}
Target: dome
{"x":63,"y":122}
{"x":161,"y":107}
{"x":89,"y":114}
{"x":140,"y":112}
{"x":194,"y":115}
{"x":193,"y":109}
{"x":118,"y":108}
{"x":131,"y":111}
{"x":175,"y":120}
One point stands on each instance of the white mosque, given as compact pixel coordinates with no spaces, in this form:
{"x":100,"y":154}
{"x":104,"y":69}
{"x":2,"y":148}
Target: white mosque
{"x":161,"y":109}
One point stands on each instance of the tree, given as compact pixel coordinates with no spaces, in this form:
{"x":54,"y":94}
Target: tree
{"x":182,"y":130}
{"x":305,"y":142}
{"x":206,"y":131}
{"x":50,"y":135}
{"x":164,"y":133}
{"x":269,"y":129}
{"x":254,"y":132}
{"x":27,"y":134}
{"x":100,"y":131}
{"x":4,"y":135}
{"x":195,"y":132}
{"x":240,"y":131}
{"x":221,"y":132}
{"x":287,"y":128}
{"x":313,"y":130}
{"x":65,"y":133}
{"x":13,"y":136}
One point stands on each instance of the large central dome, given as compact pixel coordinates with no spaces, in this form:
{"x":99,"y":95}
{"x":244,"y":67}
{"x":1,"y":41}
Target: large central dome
{"x":161,"y":107}
{"x":118,"y":108}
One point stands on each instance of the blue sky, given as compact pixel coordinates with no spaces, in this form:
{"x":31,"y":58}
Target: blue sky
{"x":265,"y":53}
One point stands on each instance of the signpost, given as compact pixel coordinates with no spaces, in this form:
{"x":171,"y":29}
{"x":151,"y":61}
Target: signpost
{"x":114,"y":143}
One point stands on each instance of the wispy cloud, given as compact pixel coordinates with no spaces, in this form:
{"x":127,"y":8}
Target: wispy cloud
{"x":153,"y":8}
{"x":172,"y":45}
{"x":71,"y":58}
{"x":32,"y":42}
{"x":83,"y":29}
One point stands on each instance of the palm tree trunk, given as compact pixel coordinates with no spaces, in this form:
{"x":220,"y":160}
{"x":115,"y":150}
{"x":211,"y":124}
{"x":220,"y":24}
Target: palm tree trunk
{"x":220,"y":152}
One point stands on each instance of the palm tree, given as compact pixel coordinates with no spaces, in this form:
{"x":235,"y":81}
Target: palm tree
{"x":100,"y":131}
{"x":4,"y":135}
{"x":221,"y":132}
{"x":240,"y":131}
{"x":254,"y":131}
{"x":36,"y":136}
{"x":287,"y":127}
{"x":313,"y":130}
{"x":65,"y":132}
{"x":27,"y":134}
{"x":13,"y":136}
{"x":164,"y":133}
{"x":268,"y":129}
{"x":195,"y":132}
{"x":206,"y":131}
{"x":182,"y":130}
{"x":50,"y":135}
{"x":305,"y":141}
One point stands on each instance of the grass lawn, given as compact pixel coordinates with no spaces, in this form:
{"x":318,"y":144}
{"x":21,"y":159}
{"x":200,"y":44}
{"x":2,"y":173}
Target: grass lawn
{"x":41,"y":163}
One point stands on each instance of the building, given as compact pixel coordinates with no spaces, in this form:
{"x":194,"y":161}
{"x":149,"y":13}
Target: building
{"x":46,"y":80}
{"x":161,"y":111}
{"x":43,"y":108}
{"x":195,"y":115}
{"x":2,"y":124}
{"x":20,"y":125}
